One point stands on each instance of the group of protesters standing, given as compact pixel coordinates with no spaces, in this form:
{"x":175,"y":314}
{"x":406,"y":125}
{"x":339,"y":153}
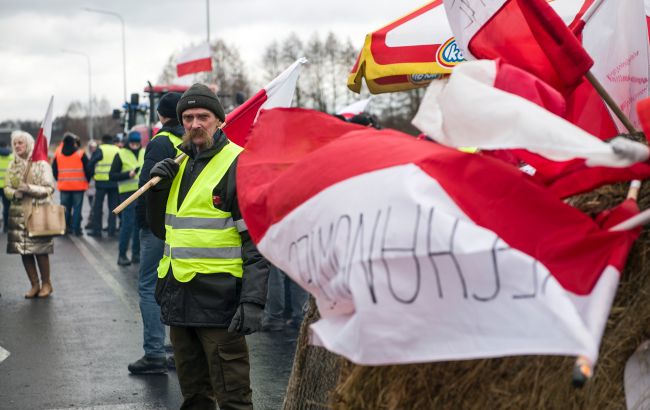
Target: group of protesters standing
{"x":199,"y":271}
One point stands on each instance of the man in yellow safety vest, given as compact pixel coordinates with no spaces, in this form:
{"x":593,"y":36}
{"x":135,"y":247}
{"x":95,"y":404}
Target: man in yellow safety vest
{"x":125,"y":170}
{"x":100,"y":164}
{"x":211,"y":280}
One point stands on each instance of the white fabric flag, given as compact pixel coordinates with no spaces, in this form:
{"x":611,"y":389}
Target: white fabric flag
{"x":448,"y":113}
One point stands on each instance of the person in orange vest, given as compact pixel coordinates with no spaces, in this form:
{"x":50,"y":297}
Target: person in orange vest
{"x":70,"y":169}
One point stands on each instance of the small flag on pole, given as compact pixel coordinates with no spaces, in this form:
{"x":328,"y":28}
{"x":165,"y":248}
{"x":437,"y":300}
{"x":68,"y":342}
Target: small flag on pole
{"x":278,"y":93}
{"x":44,"y":136}
{"x":194,"y":60}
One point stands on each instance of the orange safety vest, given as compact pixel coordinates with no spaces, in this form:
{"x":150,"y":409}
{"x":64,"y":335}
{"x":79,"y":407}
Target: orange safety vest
{"x":71,"y":172}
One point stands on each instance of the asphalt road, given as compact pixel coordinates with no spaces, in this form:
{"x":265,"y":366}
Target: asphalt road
{"x":71,"y":350}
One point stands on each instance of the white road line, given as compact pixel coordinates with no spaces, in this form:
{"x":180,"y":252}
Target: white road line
{"x":103,"y":271}
{"x":3,"y":354}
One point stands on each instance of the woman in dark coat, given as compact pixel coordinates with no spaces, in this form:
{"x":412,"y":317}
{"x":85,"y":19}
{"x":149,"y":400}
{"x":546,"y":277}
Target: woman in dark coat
{"x":37,"y":189}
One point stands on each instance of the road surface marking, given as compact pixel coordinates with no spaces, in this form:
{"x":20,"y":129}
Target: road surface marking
{"x":3,"y":354}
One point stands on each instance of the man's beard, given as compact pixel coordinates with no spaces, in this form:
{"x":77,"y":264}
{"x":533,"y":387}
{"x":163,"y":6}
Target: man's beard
{"x":197,"y":132}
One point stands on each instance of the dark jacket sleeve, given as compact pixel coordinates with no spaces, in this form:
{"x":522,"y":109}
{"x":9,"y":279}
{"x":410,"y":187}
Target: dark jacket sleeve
{"x":55,"y":169}
{"x":157,"y":150}
{"x":84,"y":163}
{"x":94,"y":159}
{"x":156,"y":206}
{"x":256,"y":267}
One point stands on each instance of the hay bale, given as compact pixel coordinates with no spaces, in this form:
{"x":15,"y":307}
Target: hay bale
{"x":315,"y":371}
{"x":540,"y":382}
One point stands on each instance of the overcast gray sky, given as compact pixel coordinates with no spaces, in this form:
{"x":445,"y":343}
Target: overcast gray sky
{"x":34,"y":32}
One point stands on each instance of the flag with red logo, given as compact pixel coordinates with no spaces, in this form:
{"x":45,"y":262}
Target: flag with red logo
{"x":44,"y":136}
{"x":429,"y":253}
{"x":194,"y":59}
{"x":612,"y":32}
{"x":278,"y":93}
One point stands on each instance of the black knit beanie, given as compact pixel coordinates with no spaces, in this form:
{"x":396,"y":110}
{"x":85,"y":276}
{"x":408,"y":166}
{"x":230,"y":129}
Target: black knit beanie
{"x":200,"y":96}
{"x":167,"y":105}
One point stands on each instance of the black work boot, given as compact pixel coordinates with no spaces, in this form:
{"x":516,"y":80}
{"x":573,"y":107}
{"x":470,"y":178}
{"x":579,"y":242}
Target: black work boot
{"x":149,"y":365}
{"x":122,"y":260}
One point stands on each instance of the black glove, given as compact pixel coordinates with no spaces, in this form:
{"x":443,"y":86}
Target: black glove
{"x":247,"y":319}
{"x":166,"y":169}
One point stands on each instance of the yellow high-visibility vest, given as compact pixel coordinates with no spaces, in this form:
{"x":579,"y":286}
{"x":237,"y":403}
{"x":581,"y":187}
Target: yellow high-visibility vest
{"x":130,"y":162}
{"x":176,"y":141}
{"x":4,"y":165}
{"x":199,"y":238}
{"x":109,"y":151}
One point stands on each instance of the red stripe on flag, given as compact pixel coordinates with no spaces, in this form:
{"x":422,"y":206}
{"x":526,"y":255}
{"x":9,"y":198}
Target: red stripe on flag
{"x":240,"y":120}
{"x":530,"y":35}
{"x":40,"y":147}
{"x":195,"y":66}
{"x":283,"y":167}
{"x":519,"y":82}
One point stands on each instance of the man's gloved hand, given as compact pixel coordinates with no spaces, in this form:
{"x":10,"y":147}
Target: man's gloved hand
{"x":166,"y":169}
{"x":247,"y":319}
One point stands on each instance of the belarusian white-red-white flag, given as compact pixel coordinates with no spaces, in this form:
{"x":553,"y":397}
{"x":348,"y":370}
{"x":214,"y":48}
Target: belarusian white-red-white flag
{"x":278,"y":93}
{"x":429,"y":253}
{"x":194,"y":59}
{"x":44,"y":136}
{"x":355,"y":108}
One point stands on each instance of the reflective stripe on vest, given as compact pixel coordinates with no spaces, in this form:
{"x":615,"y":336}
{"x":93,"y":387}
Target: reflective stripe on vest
{"x":4,"y":164}
{"x":199,"y":238}
{"x":104,"y":166}
{"x":129,"y":163}
{"x":71,"y":172}
{"x":176,"y":141}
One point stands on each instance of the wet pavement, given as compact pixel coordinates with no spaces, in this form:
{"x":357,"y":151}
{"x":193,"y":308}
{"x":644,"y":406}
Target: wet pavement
{"x":71,"y":350}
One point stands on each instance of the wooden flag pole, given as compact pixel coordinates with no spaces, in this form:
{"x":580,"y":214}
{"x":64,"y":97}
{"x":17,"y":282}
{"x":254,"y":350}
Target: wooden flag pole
{"x":610,"y":102}
{"x":153,"y":181}
{"x":144,"y":188}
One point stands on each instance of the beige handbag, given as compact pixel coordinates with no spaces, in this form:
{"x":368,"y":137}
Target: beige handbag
{"x":45,"y":220}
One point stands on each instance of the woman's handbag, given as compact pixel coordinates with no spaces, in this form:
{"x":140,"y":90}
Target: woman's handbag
{"x":46,"y":220}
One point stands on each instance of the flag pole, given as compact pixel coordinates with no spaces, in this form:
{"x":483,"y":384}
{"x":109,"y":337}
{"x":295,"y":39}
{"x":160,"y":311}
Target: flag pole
{"x":144,"y":188}
{"x":152,"y":182}
{"x":610,"y":102}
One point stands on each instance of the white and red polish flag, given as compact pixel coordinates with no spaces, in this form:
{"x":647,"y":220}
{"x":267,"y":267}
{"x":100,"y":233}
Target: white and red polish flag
{"x":44,"y":136}
{"x":278,"y":93}
{"x":194,"y":59}
{"x":528,"y":34}
{"x":353,"y":109}
{"x":429,"y":253}
{"x":491,"y":105}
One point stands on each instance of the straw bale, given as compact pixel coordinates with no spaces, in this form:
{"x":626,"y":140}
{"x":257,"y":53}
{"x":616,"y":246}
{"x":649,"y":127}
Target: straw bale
{"x":539,"y":382}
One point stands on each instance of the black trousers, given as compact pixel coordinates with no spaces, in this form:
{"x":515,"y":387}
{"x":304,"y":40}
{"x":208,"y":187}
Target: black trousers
{"x":5,"y":210}
{"x":98,"y":208}
{"x":212,"y":364}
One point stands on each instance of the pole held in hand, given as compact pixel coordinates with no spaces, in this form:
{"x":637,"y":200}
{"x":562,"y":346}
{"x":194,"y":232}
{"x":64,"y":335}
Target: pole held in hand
{"x":144,"y":188}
